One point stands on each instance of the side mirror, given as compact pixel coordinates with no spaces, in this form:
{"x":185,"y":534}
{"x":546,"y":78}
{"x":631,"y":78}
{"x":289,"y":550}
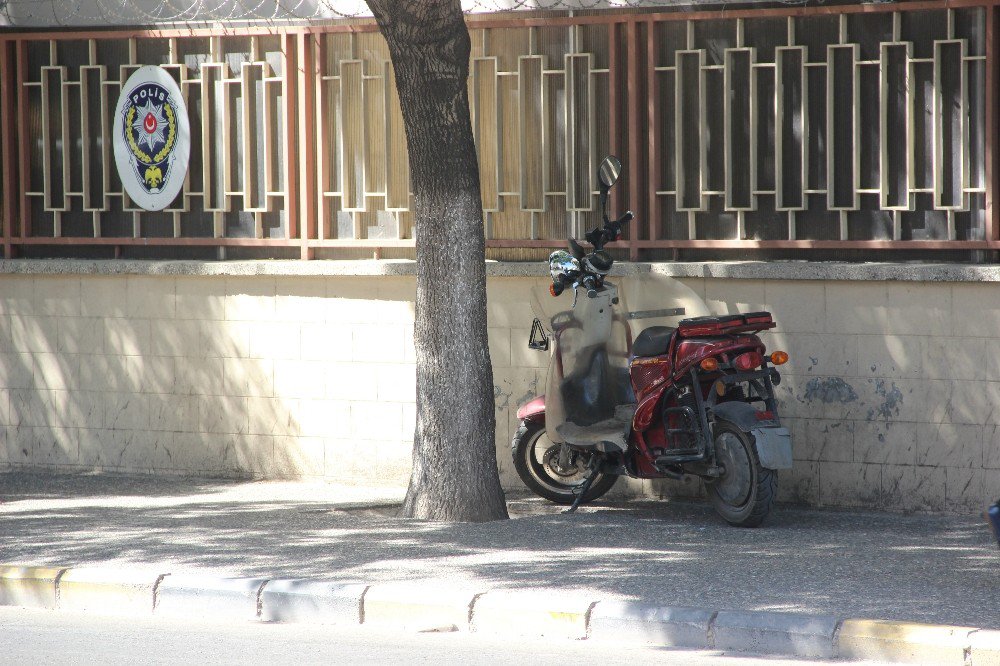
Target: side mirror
{"x":609,"y":171}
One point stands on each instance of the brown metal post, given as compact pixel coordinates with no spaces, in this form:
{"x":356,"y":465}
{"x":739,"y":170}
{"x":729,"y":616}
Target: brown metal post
{"x":322,"y":138}
{"x":289,"y":91}
{"x":7,"y":139}
{"x":614,"y":99}
{"x":634,"y":120}
{"x":991,"y":152}
{"x":307,"y":137}
{"x":21,"y":58}
{"x":653,"y":128}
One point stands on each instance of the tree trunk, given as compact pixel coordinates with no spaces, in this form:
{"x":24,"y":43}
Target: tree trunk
{"x":454,"y":452}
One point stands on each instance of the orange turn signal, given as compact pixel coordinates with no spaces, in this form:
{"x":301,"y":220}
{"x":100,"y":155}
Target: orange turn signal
{"x":710,"y":364}
{"x":779,"y":357}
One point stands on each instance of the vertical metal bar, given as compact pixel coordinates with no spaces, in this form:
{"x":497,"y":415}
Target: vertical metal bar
{"x":7,"y":136}
{"x":21,"y":47}
{"x":613,"y":120}
{"x":323,"y":162}
{"x":992,"y":210}
{"x":288,"y":95}
{"x":635,"y":119}
{"x":653,"y":127}
{"x":307,"y":154}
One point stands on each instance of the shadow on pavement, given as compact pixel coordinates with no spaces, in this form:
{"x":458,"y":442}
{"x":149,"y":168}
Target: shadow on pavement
{"x":925,"y":568}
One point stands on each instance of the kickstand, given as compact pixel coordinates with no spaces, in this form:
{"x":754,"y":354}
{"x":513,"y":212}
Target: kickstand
{"x":584,"y":487}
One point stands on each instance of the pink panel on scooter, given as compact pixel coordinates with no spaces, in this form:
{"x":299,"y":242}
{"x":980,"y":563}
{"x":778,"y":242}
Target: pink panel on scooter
{"x":532,"y":410}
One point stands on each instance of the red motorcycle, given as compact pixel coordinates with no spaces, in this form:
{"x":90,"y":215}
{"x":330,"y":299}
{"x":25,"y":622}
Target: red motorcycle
{"x":694,"y":399}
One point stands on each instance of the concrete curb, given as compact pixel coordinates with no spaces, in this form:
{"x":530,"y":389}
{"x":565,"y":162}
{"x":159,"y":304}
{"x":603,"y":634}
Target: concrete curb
{"x":985,"y":648}
{"x":209,"y":596}
{"x":532,"y":613}
{"x":416,"y":606}
{"x":31,"y":587}
{"x":776,"y":633}
{"x":905,"y":642}
{"x":102,"y":590}
{"x":671,"y":627}
{"x":311,"y":601}
{"x":431,"y":606}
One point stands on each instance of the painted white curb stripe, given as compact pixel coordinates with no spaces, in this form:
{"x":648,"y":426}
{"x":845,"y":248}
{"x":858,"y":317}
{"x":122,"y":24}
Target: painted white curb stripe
{"x":107,"y":590}
{"x":311,"y":601}
{"x":427,"y":605}
{"x":31,"y":587}
{"x":775,"y":633}
{"x":667,"y":626}
{"x":202,"y":596}
{"x":419,"y":606}
{"x":530,"y":613}
{"x":984,"y":648}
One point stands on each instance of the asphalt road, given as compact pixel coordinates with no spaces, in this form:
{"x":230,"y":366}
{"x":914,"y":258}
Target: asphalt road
{"x":925,"y":568}
{"x":47,"y":637}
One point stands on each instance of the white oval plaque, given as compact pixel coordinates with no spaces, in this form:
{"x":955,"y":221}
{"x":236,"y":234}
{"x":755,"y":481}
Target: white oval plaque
{"x":152,"y":138}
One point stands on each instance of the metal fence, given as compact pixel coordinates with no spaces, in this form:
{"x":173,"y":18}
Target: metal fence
{"x":865,"y":128}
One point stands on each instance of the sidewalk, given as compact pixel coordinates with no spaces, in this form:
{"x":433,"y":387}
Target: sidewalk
{"x":805,"y":571}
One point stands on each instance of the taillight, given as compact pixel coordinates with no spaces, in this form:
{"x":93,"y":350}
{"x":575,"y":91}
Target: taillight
{"x":709,"y":364}
{"x":779,"y":357}
{"x":747,"y":361}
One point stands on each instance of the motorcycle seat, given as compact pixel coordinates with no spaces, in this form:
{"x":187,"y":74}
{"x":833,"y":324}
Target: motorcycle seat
{"x":653,"y":341}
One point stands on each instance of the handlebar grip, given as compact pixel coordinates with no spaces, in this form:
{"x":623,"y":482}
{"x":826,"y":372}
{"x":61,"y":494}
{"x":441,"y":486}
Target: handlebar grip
{"x":627,"y":217}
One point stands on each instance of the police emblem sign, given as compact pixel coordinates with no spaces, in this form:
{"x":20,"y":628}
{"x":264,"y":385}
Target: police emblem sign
{"x":152,"y":138}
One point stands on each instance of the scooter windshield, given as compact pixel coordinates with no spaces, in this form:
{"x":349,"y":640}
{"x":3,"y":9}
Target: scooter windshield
{"x":588,"y":371}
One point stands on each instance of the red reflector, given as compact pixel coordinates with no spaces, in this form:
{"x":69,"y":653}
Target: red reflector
{"x":747,"y":361}
{"x":764,"y":416}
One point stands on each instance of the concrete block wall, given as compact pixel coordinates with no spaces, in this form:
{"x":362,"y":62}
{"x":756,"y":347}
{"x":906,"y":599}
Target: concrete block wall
{"x":217,"y":375}
{"x":892,"y":391}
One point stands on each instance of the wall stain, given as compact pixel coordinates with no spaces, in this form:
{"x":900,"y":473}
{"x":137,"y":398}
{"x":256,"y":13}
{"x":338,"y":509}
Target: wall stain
{"x":830,"y":390}
{"x":892,"y":399}
{"x":501,"y":398}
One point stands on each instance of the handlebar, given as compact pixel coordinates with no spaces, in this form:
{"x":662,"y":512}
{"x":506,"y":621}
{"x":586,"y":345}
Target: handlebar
{"x":592,"y":281}
{"x":610,"y":232}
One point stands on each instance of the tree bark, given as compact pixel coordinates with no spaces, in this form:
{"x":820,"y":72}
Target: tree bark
{"x":454,"y":453}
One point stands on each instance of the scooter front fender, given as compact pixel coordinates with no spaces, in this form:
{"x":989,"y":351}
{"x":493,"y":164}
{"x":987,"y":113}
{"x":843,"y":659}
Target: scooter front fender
{"x":534,"y":410}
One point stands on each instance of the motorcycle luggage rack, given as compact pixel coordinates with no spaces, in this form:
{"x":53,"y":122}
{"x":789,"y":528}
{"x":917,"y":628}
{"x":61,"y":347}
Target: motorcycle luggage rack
{"x":725,"y":325}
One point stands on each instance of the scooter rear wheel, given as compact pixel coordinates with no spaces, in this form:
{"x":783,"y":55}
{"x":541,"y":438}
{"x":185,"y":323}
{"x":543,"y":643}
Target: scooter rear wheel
{"x":743,"y":495}
{"x":536,"y":462}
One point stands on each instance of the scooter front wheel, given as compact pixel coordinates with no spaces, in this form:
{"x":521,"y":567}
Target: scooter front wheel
{"x":744,"y":493}
{"x":536,"y":460}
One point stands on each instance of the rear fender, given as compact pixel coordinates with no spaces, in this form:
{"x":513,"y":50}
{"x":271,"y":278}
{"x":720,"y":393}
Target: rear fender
{"x":773,"y":443}
{"x":533,"y":410}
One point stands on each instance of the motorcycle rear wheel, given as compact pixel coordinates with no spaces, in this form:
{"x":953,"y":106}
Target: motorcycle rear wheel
{"x":529,"y":448}
{"x":743,"y":495}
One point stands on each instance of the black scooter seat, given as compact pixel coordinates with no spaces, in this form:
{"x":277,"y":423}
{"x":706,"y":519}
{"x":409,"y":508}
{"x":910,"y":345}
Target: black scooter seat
{"x":654,"y":341}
